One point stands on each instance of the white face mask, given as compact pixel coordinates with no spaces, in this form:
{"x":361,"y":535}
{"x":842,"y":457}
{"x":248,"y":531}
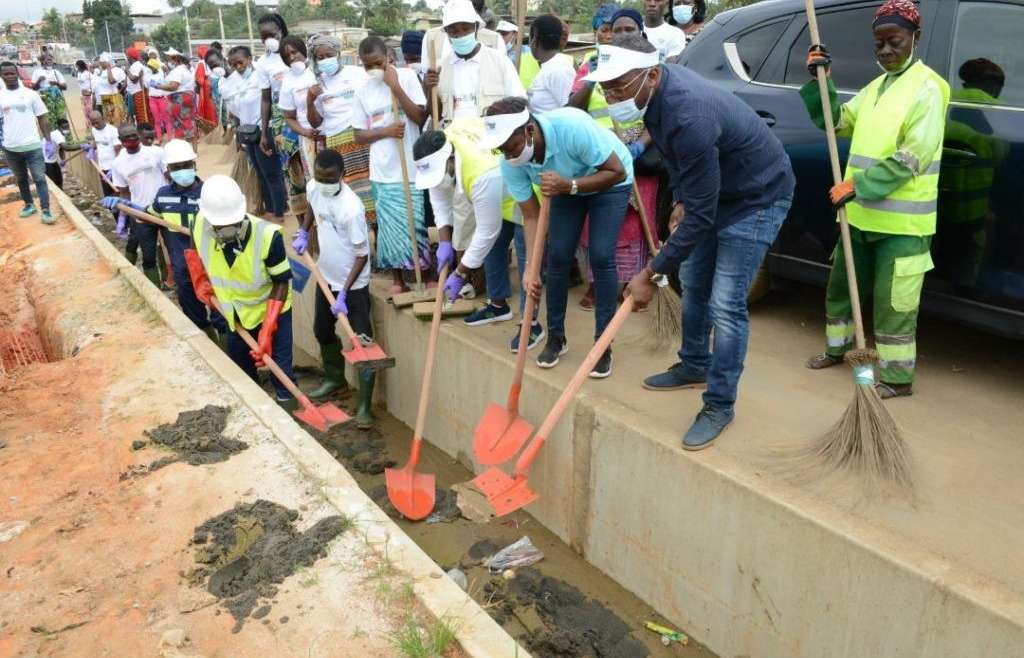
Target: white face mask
{"x":271,"y":44}
{"x":329,"y":189}
{"x":298,"y":67}
{"x":219,"y":71}
{"x":376,"y":74}
{"x":524,"y":156}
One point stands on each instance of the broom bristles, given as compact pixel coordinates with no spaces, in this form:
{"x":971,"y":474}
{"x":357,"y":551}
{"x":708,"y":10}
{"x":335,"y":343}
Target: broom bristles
{"x":665,"y":318}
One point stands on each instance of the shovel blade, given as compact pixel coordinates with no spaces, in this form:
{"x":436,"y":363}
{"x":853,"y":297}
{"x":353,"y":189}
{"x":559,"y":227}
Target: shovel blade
{"x":410,"y":492}
{"x":311,"y":416}
{"x":368,"y":357}
{"x":333,"y":415}
{"x":499,"y":435}
{"x":505,"y":494}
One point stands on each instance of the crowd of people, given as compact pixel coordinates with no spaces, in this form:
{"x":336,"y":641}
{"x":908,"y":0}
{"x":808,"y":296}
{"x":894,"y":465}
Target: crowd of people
{"x":463,"y":131}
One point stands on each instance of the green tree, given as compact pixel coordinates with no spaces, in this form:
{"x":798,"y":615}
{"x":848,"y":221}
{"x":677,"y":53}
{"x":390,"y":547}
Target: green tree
{"x":386,"y":17}
{"x":109,"y":15}
{"x":171,"y":35}
{"x":421,"y":5}
{"x":52,"y":28}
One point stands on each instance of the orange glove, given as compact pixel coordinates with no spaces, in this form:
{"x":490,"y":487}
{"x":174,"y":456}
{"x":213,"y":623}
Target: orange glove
{"x":200,"y":282}
{"x":818,"y":55}
{"x":265,"y":342}
{"x":842,"y":194}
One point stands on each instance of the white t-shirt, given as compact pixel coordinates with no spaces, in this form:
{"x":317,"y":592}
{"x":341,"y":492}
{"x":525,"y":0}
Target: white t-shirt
{"x":85,"y":82}
{"x":51,"y":151}
{"x":242,"y":97}
{"x":137,"y":69}
{"x":47,"y":76}
{"x":19,"y":108}
{"x":338,"y":97}
{"x":106,"y":140}
{"x":160,"y":78}
{"x":668,"y":39}
{"x":552,"y":85}
{"x":103,"y":86}
{"x":271,"y":69}
{"x":372,"y":109}
{"x":141,"y":172}
{"x":342,"y":234}
{"x":294,"y":90}
{"x":183,"y":76}
{"x":466,"y":82}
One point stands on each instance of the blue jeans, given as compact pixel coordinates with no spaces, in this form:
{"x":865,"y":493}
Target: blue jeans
{"x":30,"y":162}
{"x":716,"y":278}
{"x":499,"y":287}
{"x":268,"y":168}
{"x":280,"y":352}
{"x":606,"y":211}
{"x":193,"y":309}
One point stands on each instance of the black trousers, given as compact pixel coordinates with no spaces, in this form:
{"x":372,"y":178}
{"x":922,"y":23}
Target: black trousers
{"x":55,"y":173}
{"x":141,"y":235}
{"x":358,"y":302}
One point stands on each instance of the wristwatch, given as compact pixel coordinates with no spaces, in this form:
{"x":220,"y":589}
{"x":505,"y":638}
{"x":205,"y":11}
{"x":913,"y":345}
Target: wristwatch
{"x":575,"y":188}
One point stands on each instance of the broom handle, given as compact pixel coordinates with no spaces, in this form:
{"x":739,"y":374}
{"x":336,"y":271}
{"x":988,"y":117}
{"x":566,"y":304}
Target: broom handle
{"x":520,"y":26}
{"x":648,"y":236}
{"x":536,"y":255}
{"x":428,"y":373}
{"x":837,"y":177}
{"x":435,"y":99}
{"x":103,"y":176}
{"x":167,"y":255}
{"x":525,"y":459}
{"x":410,"y":218}
{"x":322,"y":282}
{"x":151,"y":219}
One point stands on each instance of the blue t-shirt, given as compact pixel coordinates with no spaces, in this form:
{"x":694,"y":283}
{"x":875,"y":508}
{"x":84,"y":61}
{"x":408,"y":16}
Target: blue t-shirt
{"x":574,"y":147}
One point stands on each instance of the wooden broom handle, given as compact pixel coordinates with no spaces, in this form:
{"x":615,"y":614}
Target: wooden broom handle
{"x":322,"y":282}
{"x":536,"y":256}
{"x":435,"y":99}
{"x":410,"y":216}
{"x":837,"y":177}
{"x":151,"y":219}
{"x":428,"y":372}
{"x":641,"y":210}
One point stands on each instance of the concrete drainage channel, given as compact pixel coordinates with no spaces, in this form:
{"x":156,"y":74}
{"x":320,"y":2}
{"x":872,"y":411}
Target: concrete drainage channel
{"x":558,"y":607}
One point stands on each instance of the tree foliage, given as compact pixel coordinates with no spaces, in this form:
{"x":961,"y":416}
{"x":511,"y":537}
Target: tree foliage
{"x":112,"y":15}
{"x":386,"y":17}
{"x":171,"y":34}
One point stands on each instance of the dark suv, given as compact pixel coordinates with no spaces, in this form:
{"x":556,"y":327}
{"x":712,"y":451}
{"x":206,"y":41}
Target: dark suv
{"x":759,"y":53}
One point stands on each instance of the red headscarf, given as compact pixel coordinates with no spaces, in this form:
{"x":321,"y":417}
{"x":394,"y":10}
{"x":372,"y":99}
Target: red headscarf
{"x":132,"y":52}
{"x":899,"y":12}
{"x":201,"y":51}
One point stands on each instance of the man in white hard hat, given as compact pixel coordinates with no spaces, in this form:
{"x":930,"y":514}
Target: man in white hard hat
{"x":178,"y":204}
{"x":508,"y":32}
{"x":245,"y":260}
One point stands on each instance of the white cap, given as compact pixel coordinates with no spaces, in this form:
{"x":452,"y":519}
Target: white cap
{"x":499,"y":127}
{"x":177,"y":151}
{"x":221,"y":201}
{"x":459,"y":11}
{"x":506,"y":26}
{"x":614,"y":62}
{"x":170,"y":52}
{"x":106,"y":57}
{"x":430,"y":169}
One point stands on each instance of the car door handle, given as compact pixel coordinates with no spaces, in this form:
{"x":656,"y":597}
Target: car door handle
{"x":768,"y":117}
{"x":962,"y":154}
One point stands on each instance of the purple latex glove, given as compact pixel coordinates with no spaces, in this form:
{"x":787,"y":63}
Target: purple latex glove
{"x":301,"y":242}
{"x":453,"y":286}
{"x":339,"y":307}
{"x":445,"y":254}
{"x":121,"y":230}
{"x":152,"y":84}
{"x":90,"y":152}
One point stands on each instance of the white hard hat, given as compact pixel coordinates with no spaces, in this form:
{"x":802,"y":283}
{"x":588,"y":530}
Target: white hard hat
{"x":506,"y":26}
{"x":221,"y":201}
{"x":459,"y":11}
{"x":178,"y":150}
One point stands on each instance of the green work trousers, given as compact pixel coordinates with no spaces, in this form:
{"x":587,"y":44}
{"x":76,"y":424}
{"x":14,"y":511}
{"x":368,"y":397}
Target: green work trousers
{"x":891,"y":268}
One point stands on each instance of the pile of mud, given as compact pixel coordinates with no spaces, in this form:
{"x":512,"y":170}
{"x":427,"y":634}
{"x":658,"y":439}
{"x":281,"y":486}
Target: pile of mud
{"x":196,"y":438}
{"x":362,"y":449}
{"x":247,"y":551}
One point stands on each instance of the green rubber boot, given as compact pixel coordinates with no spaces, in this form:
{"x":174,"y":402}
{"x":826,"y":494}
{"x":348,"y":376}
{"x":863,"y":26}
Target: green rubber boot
{"x":364,"y":412}
{"x":153,"y":274}
{"x":289,"y":405}
{"x":334,"y":371}
{"x":212,"y":334}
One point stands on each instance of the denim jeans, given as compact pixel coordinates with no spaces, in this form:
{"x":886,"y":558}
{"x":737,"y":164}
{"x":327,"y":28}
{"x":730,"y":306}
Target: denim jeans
{"x":606,"y":211}
{"x":499,"y":287}
{"x":193,"y":309}
{"x":141,"y":235}
{"x":23,"y":164}
{"x":268,"y":168}
{"x":280,"y":352}
{"x":716,"y":278}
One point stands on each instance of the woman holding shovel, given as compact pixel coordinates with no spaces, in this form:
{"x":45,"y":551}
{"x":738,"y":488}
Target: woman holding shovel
{"x":890,"y":193}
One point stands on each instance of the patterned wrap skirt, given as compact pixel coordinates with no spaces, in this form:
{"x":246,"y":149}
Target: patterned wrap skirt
{"x":357,"y":168}
{"x":113,"y":108}
{"x":140,"y":100}
{"x":393,"y":248}
{"x":182,"y":106}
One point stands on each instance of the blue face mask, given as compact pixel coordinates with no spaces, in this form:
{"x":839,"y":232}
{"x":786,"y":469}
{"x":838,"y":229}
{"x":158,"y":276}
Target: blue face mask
{"x":184,"y":177}
{"x":328,"y":65}
{"x":464,"y":45}
{"x":682,"y":14}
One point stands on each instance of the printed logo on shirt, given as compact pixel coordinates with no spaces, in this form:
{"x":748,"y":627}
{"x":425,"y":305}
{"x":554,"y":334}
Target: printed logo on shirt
{"x":465,"y":101}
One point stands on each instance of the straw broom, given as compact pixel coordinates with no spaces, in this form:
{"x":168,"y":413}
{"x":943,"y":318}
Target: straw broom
{"x":865,"y":439}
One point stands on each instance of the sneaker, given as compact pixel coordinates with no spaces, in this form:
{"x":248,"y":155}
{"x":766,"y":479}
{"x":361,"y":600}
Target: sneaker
{"x":603,"y":367}
{"x":555,"y":348}
{"x":47,"y":218}
{"x":488,"y":315}
{"x":27,"y":211}
{"x":468,"y":291}
{"x":677,"y":377}
{"x":706,"y":427}
{"x":536,"y":335}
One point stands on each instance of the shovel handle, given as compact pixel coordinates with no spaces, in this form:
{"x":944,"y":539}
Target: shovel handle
{"x":435,"y":99}
{"x":326,"y":289}
{"x":103,"y":176}
{"x":151,"y":219}
{"x":428,"y":372}
{"x":536,"y":257}
{"x":526,"y":459}
{"x":410,"y":217}
{"x":641,"y":210}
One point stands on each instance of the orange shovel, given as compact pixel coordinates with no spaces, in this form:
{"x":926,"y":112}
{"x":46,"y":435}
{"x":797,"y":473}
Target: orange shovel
{"x":502,"y":432}
{"x":362,"y":357}
{"x":508,"y":493}
{"x":410,"y":492}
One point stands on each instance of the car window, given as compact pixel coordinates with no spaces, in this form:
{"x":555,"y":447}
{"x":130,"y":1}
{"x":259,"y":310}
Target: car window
{"x":850,"y":40}
{"x":988,"y":63}
{"x":754,"y":46}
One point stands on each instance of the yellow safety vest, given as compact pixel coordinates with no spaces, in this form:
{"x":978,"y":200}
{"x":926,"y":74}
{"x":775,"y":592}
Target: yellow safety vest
{"x":464,"y":134}
{"x":597,"y":106}
{"x":529,"y":67}
{"x":910,"y":210}
{"x":242,"y":288}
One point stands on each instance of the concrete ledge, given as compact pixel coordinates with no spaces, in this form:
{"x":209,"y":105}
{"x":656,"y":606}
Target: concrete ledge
{"x":748,"y":564}
{"x":476,"y":631}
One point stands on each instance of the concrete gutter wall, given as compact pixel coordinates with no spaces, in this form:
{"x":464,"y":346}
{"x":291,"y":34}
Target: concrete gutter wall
{"x":746,"y":568}
{"x":476,"y":631}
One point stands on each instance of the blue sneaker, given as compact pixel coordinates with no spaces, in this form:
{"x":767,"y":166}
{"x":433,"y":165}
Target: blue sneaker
{"x":488,"y":315}
{"x":27,"y":211}
{"x":706,"y":427}
{"x":536,"y":335}
{"x":677,"y":377}
{"x":47,"y":218}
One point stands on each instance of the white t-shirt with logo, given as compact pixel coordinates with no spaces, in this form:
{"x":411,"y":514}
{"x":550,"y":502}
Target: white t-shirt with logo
{"x":466,"y":82}
{"x":19,"y":108}
{"x":160,"y":79}
{"x":372,"y":110}
{"x":102,"y":85}
{"x":271,"y":69}
{"x":183,"y":76}
{"x":342,"y":234}
{"x":85,"y":82}
{"x":338,"y":98}
{"x":668,"y":39}
{"x":552,"y":85}
{"x":106,"y":140}
{"x":137,"y":69}
{"x":51,"y":150}
{"x":242,"y":97}
{"x":45,"y":77}
{"x":141,"y":172}
{"x":294,"y":90}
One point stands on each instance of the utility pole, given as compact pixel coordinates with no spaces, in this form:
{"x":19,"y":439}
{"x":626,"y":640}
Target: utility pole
{"x":106,"y":26}
{"x":220,"y":17}
{"x":248,"y":24}
{"x":188,"y":32}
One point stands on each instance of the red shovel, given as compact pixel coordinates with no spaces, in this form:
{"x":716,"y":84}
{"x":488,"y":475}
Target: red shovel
{"x":501,"y":432}
{"x":410,"y":492}
{"x":507,"y":494}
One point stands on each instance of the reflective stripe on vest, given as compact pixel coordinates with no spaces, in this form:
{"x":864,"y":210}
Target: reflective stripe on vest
{"x":911,"y":209}
{"x":464,"y":134}
{"x":171,"y":208}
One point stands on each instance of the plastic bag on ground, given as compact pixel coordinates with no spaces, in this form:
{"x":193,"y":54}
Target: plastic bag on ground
{"x":520,"y":554}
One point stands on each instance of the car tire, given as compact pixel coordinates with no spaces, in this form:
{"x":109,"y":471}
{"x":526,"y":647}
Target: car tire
{"x":760,"y":286}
